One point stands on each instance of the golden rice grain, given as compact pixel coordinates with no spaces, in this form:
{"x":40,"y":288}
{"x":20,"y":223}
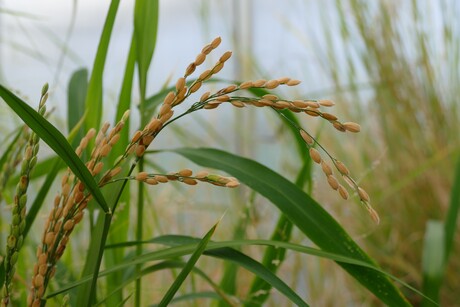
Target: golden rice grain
{"x":230,"y":88}
{"x":374,"y":215}
{"x":141,"y":176}
{"x":185,"y":172}
{"x":237,"y":103}
{"x":284,"y":80}
{"x":140,"y":149}
{"x":272,"y":84}
{"x":311,"y":112}
{"x":232,"y":184}
{"x":69,"y":225}
{"x":300,"y":104}
{"x":115,"y":171}
{"x":363,"y":195}
{"x":216,"y":42}
{"x":326,"y":102}
{"x":201,"y":174}
{"x":200,"y":59}
{"x":225,"y":56}
{"x":312,"y":104}
{"x":137,"y":135}
{"x":342,"y":168}
{"x":343,"y":192}
{"x":189,"y":181}
{"x":327,"y":170}
{"x":98,"y":167}
{"x":164,"y":118}
{"x":315,"y":155}
{"x":180,"y":84}
{"x":259,"y":83}
{"x":352,"y":127}
{"x":306,"y":137}
{"x":49,"y":238}
{"x":270,"y":97}
{"x":223,"y":98}
{"x":333,"y":182}
{"x":328,"y":116}
{"x":207,"y":49}
{"x":195,"y":87}
{"x":205,"y":96}
{"x":169,"y":98}
{"x":190,"y":69}
{"x":216,"y":69}
{"x":339,"y":126}
{"x":246,"y":85}
{"x":154,"y":125}
{"x":151,"y":181}
{"x":161,"y":178}
{"x":293,"y":82}
{"x":105,"y":150}
{"x":205,"y":74}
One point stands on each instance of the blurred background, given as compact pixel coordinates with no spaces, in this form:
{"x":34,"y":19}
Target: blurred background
{"x":392,"y":66}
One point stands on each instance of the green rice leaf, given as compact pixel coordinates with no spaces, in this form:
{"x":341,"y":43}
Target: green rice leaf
{"x":304,"y":212}
{"x":58,"y":143}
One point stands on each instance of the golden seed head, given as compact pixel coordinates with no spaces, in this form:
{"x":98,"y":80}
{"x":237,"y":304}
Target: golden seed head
{"x":259,"y":83}
{"x":232,"y":184}
{"x":306,"y":137}
{"x":339,"y":126}
{"x":189,"y":181}
{"x":352,"y":127}
{"x":66,"y":190}
{"x":207,"y":49}
{"x":223,"y":98}
{"x":180,"y":84}
{"x":201,"y":175}
{"x":217,"y":68}
{"x":49,"y":238}
{"x":160,"y":178}
{"x":126,"y":115}
{"x":154,"y":125}
{"x":105,"y":150}
{"x":328,"y":116}
{"x":312,"y":104}
{"x":164,"y":118}
{"x":326,"y":102}
{"x":200,"y":59}
{"x":38,"y":280}
{"x":284,"y":80}
{"x":315,"y":155}
{"x":270,"y":97}
{"x":169,"y":98}
{"x":42,"y":258}
{"x":147,"y":139}
{"x":195,"y":87}
{"x":311,"y":112}
{"x":333,"y":182}
{"x":281,"y":104}
{"x":374,"y":215}
{"x":272,"y":84}
{"x":349,"y":181}
{"x":91,"y":133}
{"x":216,"y":42}
{"x":69,"y":225}
{"x":237,"y":103}
{"x":136,"y":137}
{"x":114,"y":139}
{"x":300,"y":104}
{"x":293,"y":82}
{"x":165,"y":108}
{"x":342,"y":168}
{"x":246,"y":85}
{"x":327,"y":170}
{"x":190,"y":69}
{"x":210,"y":106}
{"x":363,"y":195}
{"x":115,"y":171}
{"x":185,"y":172}
{"x":140,"y":149}
{"x":142,"y":176}
{"x":230,"y":88}
{"x":225,"y":56}
{"x":205,"y":74}
{"x":98,"y":167}
{"x":205,"y":96}
{"x":78,"y":217}
{"x":343,"y":192}
{"x":151,"y":181}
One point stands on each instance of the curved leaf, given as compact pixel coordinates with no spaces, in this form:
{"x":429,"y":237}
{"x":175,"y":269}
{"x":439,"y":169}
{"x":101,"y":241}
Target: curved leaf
{"x":304,"y":212}
{"x":58,"y":143}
